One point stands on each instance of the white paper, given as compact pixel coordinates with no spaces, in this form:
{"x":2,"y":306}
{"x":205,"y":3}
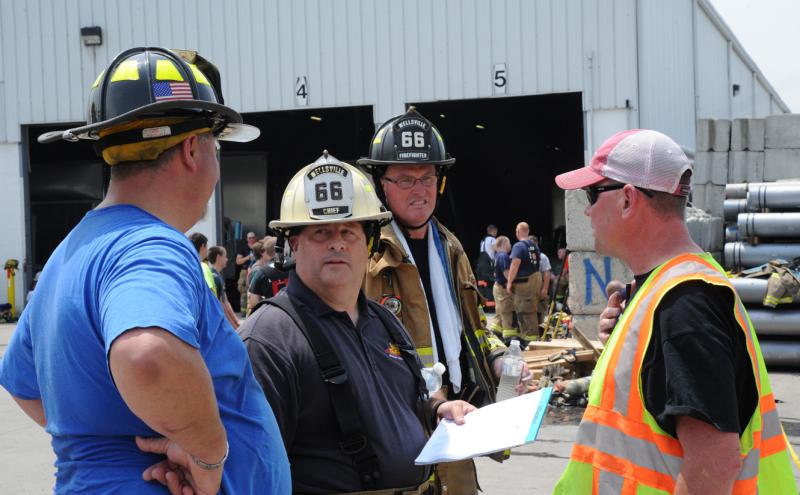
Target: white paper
{"x":493,"y":428}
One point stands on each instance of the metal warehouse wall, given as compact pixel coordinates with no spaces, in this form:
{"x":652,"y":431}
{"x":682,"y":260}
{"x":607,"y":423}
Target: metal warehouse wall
{"x":721,"y":62}
{"x":386,"y":53}
{"x":353,"y":52}
{"x":645,"y":63}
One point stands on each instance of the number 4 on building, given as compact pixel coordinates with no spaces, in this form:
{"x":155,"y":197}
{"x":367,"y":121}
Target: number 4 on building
{"x":301,"y":91}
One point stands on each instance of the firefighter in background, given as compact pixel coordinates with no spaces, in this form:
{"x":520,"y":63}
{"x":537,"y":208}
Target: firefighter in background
{"x":421,"y":273}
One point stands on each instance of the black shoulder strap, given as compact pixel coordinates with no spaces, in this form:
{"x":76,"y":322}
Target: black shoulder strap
{"x":353,"y":441}
{"x":407,"y":349}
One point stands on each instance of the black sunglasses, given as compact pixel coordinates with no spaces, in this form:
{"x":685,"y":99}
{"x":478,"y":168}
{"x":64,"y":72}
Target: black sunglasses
{"x":593,"y":192}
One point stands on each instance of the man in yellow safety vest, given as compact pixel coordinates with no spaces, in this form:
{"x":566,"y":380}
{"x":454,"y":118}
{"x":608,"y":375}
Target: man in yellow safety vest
{"x":680,"y":401}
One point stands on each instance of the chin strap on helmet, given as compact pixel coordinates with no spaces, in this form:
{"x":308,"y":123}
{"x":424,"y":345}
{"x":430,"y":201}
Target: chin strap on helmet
{"x":283,"y":251}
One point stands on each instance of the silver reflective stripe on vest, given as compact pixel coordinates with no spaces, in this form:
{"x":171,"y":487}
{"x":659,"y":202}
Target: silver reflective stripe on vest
{"x":624,"y":369}
{"x":640,"y":452}
{"x":750,"y":465}
{"x":770,"y":425}
{"x":610,"y":482}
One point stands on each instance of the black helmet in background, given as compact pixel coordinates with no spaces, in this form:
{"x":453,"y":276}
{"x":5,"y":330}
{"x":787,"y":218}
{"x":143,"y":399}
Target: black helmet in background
{"x":407,"y":139}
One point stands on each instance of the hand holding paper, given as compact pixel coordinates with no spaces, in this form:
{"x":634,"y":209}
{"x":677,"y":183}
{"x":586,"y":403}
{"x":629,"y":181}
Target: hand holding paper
{"x":493,"y":428}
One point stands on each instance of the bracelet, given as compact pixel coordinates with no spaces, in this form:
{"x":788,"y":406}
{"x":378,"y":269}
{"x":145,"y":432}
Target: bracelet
{"x":435,"y":410}
{"x":210,"y":467}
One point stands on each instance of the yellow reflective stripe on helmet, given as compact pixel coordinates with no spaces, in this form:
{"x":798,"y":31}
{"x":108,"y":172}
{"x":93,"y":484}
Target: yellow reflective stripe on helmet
{"x":438,"y":136}
{"x":97,"y":81}
{"x":126,"y":71}
{"x":426,"y":356}
{"x":199,"y":76}
{"x":166,"y":71}
{"x":379,"y":136}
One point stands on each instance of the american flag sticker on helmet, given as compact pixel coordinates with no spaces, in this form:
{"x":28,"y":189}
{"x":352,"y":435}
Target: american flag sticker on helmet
{"x":172,"y":91}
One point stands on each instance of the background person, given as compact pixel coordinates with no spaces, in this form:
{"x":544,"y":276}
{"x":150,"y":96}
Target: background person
{"x":218,"y":259}
{"x":200,"y":243}
{"x":245,"y":258}
{"x":266,"y":280}
{"x":504,"y":303}
{"x":525,"y":281}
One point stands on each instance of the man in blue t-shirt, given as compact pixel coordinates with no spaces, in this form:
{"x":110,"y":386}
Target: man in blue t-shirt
{"x":525,"y":281}
{"x":123,"y":354}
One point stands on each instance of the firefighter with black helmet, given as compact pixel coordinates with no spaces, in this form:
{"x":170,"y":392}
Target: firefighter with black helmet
{"x":421,"y":272}
{"x":124,"y":353}
{"x":339,"y":370}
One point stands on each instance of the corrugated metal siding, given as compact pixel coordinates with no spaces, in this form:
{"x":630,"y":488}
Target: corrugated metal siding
{"x":711,"y":52}
{"x":352,"y":52}
{"x":762,"y":105}
{"x":666,"y":69}
{"x":374,"y":52}
{"x":743,"y":103}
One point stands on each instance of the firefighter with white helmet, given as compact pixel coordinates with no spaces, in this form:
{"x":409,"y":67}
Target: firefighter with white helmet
{"x":421,"y":273}
{"x":124,"y":354}
{"x":339,"y":370}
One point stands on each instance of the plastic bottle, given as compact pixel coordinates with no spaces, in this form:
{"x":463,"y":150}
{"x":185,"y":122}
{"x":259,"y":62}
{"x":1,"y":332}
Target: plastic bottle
{"x":433,"y":377}
{"x":512,"y":372}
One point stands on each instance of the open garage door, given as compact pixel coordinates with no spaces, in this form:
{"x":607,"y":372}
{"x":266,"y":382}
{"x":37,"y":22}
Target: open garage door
{"x":508,"y":151}
{"x":255,"y":174}
{"x":64,"y":181}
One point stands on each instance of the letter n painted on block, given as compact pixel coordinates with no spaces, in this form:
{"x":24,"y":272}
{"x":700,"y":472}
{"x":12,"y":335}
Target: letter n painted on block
{"x":592,"y":273}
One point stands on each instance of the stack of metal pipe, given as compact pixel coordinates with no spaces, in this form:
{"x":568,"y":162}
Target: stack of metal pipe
{"x":763,"y":224}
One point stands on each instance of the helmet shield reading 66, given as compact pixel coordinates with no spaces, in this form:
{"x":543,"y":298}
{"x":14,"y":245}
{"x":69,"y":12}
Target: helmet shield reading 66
{"x":328,"y":191}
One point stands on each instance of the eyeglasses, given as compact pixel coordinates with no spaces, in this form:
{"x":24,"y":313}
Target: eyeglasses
{"x":593,"y":192}
{"x":406,"y":182}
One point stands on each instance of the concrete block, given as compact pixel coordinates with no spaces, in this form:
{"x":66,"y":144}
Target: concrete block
{"x":721,"y":135}
{"x":701,"y":171}
{"x":715,"y":200}
{"x":747,"y":134}
{"x":756,"y":131}
{"x":579,"y":229}
{"x":781,"y":164}
{"x":699,"y":196}
{"x":755,"y":166}
{"x":587,"y":324}
{"x":738,"y":134}
{"x":718,"y":173}
{"x":703,"y":135}
{"x":705,"y":230}
{"x":716,"y":234}
{"x":589,"y":273}
{"x":737,"y":166}
{"x":783,"y":131}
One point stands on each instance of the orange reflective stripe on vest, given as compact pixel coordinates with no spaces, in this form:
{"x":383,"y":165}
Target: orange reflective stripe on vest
{"x":621,"y":447}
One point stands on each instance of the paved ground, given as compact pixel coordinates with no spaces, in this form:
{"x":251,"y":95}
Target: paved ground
{"x":533,"y":469}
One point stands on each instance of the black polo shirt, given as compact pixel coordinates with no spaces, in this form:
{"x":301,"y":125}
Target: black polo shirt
{"x":386,"y":393}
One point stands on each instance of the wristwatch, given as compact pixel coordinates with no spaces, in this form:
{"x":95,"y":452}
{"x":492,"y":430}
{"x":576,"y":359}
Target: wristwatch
{"x":211,"y":467}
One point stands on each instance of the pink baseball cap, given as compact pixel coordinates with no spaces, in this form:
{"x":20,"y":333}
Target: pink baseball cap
{"x":640,"y":157}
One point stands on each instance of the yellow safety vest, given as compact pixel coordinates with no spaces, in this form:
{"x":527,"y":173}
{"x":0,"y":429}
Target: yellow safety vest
{"x":620,"y":448}
{"x":208,"y":275}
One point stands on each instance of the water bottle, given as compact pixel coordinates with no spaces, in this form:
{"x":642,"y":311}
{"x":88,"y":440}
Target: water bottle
{"x":433,"y":377}
{"x":512,"y":372}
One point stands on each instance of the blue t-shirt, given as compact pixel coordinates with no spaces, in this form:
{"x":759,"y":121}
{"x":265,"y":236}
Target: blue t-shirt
{"x":121,"y":268}
{"x":520,"y":251}
{"x":502,"y":262}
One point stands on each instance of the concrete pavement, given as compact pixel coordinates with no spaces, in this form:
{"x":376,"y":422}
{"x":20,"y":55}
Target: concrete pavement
{"x":533,"y":469}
